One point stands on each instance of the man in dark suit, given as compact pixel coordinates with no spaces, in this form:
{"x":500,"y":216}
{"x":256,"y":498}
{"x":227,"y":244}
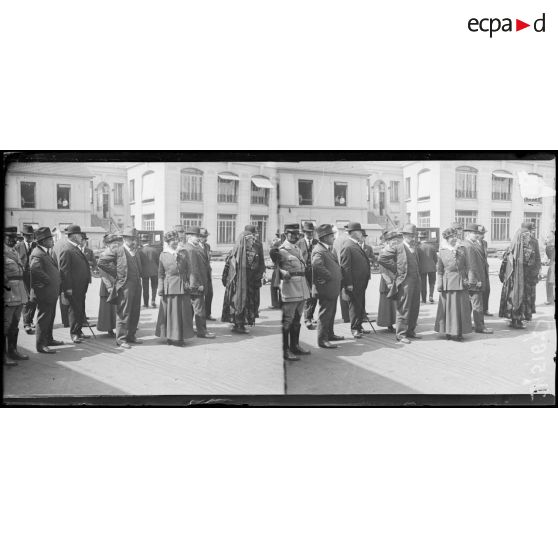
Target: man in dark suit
{"x":63,"y":302}
{"x":327,"y":276}
{"x":149,"y":256}
{"x":45,"y":285}
{"x":206,"y":250}
{"x":355,"y":268}
{"x":276,"y":276}
{"x":401,"y":260}
{"x":486,"y":290}
{"x":306,"y":244}
{"x":24,"y":249}
{"x":427,"y":258}
{"x":337,"y":245}
{"x":476,"y":266}
{"x":198,"y":280}
{"x":124,"y":265}
{"x":75,"y":275}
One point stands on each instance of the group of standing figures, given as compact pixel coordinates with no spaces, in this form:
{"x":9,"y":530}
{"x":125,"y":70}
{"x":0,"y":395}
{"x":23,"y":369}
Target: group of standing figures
{"x":318,"y":265}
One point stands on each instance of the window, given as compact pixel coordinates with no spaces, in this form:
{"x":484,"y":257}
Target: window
{"x":466,"y":183}
{"x":226,"y":229}
{"x":191,"y":219}
{"x":534,"y":200}
{"x":408,"y":188}
{"x":423,"y":218}
{"x":91,"y":193}
{"x":227,"y":190}
{"x":148,"y":222}
{"x":260,"y":196}
{"x":63,"y":196}
{"x":340,"y":194}
{"x":28,"y":195}
{"x":424,"y":184}
{"x":408,"y":217}
{"x":534,"y":218}
{"x":305,"y":192}
{"x":260,"y":222}
{"x":191,"y":185}
{"x":394,"y":191}
{"x":500,"y":225}
{"x":132,"y":191}
{"x":133,"y":221}
{"x":148,"y":186}
{"x":118,"y":193}
{"x":466,"y":217}
{"x":501,"y":185}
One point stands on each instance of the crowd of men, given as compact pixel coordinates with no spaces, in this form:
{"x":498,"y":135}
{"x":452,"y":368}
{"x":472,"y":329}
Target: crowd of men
{"x":321,"y":265}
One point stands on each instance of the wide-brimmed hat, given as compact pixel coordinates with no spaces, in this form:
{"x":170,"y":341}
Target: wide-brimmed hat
{"x":110,"y":238}
{"x":130,"y":232}
{"x":409,"y":228}
{"x":43,"y":233}
{"x":193,"y":230}
{"x":324,"y":230}
{"x":27,"y":229}
{"x":308,"y":226}
{"x":292,"y":227}
{"x":390,"y":235}
{"x":450,"y":231}
{"x":73,"y":229}
{"x":354,"y":226}
{"x":170,"y":236}
{"x":10,"y":231}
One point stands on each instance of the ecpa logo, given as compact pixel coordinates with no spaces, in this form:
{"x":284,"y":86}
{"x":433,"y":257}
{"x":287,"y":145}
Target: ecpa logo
{"x":493,"y":25}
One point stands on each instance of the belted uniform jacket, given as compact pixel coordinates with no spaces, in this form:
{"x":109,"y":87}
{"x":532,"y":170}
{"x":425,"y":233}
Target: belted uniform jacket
{"x":290,"y":260}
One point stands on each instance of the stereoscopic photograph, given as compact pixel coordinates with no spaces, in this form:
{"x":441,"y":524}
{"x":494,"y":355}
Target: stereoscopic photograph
{"x":134,"y":275}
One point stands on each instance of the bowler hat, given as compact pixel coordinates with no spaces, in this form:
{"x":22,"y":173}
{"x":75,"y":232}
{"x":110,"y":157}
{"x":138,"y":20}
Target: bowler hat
{"x":28,"y":229}
{"x":130,"y":232}
{"x":204,"y":232}
{"x":10,"y":231}
{"x":324,"y":230}
{"x":354,"y":226}
{"x":43,"y":233}
{"x":409,"y":228}
{"x":308,"y":226}
{"x":193,"y":230}
{"x":472,"y":227}
{"x":73,"y":229}
{"x":292,"y":227}
{"x":251,"y":229}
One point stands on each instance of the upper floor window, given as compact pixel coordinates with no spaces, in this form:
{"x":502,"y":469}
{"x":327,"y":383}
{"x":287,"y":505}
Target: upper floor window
{"x":227,"y":187}
{"x":424,"y":184}
{"x":394,"y":191}
{"x":408,"y":188}
{"x":305,"y":192}
{"x":259,"y":196}
{"x":63,"y":196}
{"x":466,"y":183}
{"x":191,"y":185}
{"x":132,"y":190}
{"x":423,"y":219}
{"x":148,"y":186}
{"x":502,"y":183}
{"x":28,"y":195}
{"x":118,"y":187}
{"x":340,"y":194}
{"x":534,"y":200}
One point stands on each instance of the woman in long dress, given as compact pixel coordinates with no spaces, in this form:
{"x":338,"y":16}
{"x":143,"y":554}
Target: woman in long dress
{"x":175,"y":310}
{"x":454,"y":306}
{"x":519,"y":275}
{"x":240,"y":279}
{"x":387,"y":307}
{"x":107,"y":311}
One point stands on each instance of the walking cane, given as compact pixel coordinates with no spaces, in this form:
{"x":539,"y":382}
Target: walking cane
{"x":90,"y":329}
{"x":368,"y":320}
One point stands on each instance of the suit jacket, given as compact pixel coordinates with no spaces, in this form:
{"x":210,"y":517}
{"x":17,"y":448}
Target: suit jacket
{"x":115,"y":264}
{"x":259,"y":265}
{"x":74,"y":268}
{"x":326,"y":272}
{"x":290,"y":260}
{"x":452,"y":269}
{"x":45,"y":277}
{"x":149,"y":256}
{"x":24,"y":254}
{"x":197,"y":265}
{"x":174,"y":272}
{"x":355,"y":265}
{"x":394,"y":260}
{"x":207,"y":253}
{"x":427,"y":257}
{"x":276,"y":276}
{"x":475,"y":262}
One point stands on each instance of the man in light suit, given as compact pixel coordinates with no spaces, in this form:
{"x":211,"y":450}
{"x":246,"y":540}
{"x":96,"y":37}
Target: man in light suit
{"x":306,"y":244}
{"x":294,"y":291}
{"x":402,"y":261}
{"x":327,"y":276}
{"x":476,"y":266}
{"x":355,"y":267}
{"x":45,"y":289}
{"x":24,"y":249}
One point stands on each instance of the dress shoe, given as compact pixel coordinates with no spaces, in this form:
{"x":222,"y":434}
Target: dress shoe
{"x":45,"y":350}
{"x":414,"y":336}
{"x":211,"y":319}
{"x":76,"y":339}
{"x":488,"y":314}
{"x":310,"y":325}
{"x":14,"y":355}
{"x":54,"y":343}
{"x":82,"y":336}
{"x":29,"y":330}
{"x":287,"y":355}
{"x":403,"y":340}
{"x":357,"y":334}
{"x":365,"y":331}
{"x":336,"y":338}
{"x":448,"y":337}
{"x":207,"y":335}
{"x":145,"y":306}
{"x":135,"y":341}
{"x":111,"y":333}
{"x":298,"y":350}
{"x":328,"y":345}
{"x":239,"y":329}
{"x":459,"y":338}
{"x":123,"y":345}
{"x":153,"y":305}
{"x":9,"y":361}
{"x":431,"y":300}
{"x":484,"y":330}
{"x":391,"y":329}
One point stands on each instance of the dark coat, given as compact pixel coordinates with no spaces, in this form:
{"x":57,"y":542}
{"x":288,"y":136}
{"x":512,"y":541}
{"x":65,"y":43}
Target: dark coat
{"x":476,"y":265}
{"x":427,"y":257}
{"x":452,"y":270}
{"x":394,"y":259}
{"x":355,"y":265}
{"x":197,"y":265}
{"x":326,"y":273}
{"x":149,"y":256}
{"x":115,"y":264}
{"x":45,"y":276}
{"x":74,"y":268}
{"x":24,"y":254}
{"x":174,"y":272}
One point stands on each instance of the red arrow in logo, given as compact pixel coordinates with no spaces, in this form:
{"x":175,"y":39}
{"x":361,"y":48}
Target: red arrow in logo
{"x":519,"y":25}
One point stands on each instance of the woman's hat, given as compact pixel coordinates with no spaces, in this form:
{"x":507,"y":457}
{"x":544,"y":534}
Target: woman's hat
{"x":170,"y":236}
{"x":390,"y":235}
{"x":450,"y":231}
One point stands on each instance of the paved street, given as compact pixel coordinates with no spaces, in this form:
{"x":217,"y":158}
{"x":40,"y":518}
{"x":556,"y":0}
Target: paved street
{"x":228,"y":365}
{"x":508,"y":362}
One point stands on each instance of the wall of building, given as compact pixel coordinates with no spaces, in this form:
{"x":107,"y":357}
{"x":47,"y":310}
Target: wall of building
{"x":111,"y":175}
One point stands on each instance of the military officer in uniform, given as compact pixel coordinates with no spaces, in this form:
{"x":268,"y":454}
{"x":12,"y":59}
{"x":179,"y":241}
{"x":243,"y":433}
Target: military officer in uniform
{"x":294,"y":291}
